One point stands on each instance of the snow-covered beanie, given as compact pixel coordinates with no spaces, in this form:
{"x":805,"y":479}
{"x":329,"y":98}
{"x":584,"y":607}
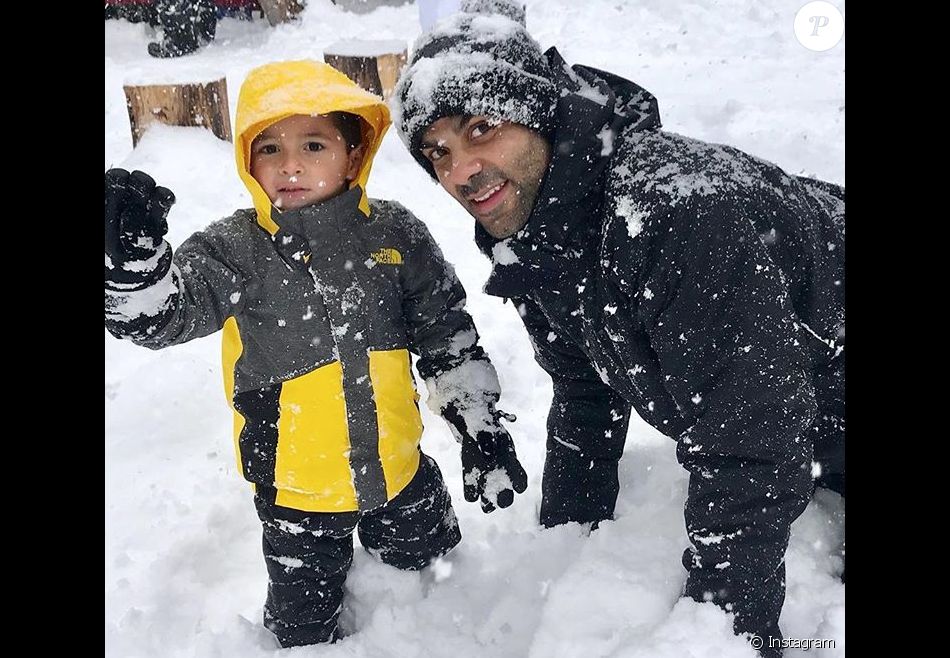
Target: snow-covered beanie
{"x":477,"y":63}
{"x":513,"y":10}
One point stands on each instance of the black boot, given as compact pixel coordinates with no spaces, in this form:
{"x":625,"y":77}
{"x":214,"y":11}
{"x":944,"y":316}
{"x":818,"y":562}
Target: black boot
{"x":170,"y":48}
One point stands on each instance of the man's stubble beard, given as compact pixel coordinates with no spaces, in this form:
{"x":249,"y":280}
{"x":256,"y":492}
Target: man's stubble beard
{"x":534,"y":163}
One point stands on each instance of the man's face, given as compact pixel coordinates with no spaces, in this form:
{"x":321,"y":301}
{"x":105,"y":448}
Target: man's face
{"x":301,"y":160}
{"x":494,"y":169}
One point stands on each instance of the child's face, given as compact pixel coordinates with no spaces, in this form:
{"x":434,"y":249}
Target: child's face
{"x":301,"y":160}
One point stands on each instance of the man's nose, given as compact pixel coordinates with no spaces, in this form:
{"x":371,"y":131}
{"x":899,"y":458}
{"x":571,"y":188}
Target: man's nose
{"x":463,"y":168}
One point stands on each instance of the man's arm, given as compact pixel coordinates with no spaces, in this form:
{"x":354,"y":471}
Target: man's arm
{"x":587,"y":427}
{"x":725,"y":334}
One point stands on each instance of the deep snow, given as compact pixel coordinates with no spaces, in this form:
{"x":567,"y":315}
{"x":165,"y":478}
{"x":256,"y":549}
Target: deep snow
{"x":184,"y":575}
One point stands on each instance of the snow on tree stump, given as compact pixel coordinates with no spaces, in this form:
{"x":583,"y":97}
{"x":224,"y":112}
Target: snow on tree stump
{"x":203,"y":104}
{"x":281,"y":11}
{"x":373,"y":65}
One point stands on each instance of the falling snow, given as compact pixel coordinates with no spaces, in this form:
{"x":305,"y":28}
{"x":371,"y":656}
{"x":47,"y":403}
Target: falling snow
{"x":184,"y":573}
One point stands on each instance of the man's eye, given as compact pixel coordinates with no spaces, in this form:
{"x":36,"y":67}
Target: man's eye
{"x":480,"y":129}
{"x":313,"y":146}
{"x":435,"y":154}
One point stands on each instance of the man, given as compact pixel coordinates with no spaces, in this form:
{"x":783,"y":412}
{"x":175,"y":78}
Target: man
{"x":692,"y":282}
{"x":188,"y":25}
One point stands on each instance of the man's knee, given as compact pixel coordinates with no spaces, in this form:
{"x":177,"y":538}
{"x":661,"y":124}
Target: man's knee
{"x":754,"y":596}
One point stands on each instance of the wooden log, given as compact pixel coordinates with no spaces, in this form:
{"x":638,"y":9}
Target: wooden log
{"x":366,"y":6}
{"x":373,"y":65}
{"x":281,"y":11}
{"x":187,"y":104}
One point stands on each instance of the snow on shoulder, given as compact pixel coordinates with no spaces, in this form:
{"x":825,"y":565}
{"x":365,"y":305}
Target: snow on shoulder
{"x":502,"y":254}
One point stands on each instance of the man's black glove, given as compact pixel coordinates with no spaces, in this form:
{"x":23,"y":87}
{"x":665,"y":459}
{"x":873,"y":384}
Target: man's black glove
{"x":491,"y":471}
{"x":136,"y":211}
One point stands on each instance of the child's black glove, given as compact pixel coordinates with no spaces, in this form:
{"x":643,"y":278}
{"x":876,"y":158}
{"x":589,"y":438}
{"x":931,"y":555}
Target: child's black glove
{"x":136,"y":211}
{"x":491,"y":471}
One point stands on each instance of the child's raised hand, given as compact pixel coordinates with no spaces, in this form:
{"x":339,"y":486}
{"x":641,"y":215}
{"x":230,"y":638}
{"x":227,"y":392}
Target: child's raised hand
{"x":135,"y":224}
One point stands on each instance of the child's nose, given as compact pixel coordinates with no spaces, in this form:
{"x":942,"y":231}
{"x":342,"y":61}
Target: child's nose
{"x":290,"y":165}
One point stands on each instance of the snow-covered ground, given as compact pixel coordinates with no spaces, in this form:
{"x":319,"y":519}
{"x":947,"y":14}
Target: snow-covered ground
{"x":184,"y":575}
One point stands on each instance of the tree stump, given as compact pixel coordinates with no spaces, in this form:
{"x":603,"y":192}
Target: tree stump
{"x":281,"y":11}
{"x":187,"y":104}
{"x":373,"y":65}
{"x":366,"y":6}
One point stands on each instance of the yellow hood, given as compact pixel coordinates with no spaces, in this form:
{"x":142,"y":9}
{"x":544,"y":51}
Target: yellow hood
{"x":278,"y":90}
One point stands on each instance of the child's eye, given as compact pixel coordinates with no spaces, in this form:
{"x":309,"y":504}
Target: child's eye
{"x":313,"y":146}
{"x":267,"y":149}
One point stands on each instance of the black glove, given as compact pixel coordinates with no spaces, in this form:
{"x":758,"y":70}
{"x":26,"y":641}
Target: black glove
{"x":136,"y":211}
{"x":491,"y":471}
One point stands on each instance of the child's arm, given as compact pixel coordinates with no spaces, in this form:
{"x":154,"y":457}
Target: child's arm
{"x":461,"y":380}
{"x":151,"y":298}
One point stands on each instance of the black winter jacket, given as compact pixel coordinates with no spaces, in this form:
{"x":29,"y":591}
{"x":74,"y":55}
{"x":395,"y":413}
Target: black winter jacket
{"x":702,"y":286}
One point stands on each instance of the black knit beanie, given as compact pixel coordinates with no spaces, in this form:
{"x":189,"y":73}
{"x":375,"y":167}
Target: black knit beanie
{"x":510,"y":8}
{"x":480,"y":61}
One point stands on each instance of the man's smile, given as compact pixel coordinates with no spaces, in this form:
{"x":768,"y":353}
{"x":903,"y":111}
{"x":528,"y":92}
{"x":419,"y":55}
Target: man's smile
{"x":487,"y":199}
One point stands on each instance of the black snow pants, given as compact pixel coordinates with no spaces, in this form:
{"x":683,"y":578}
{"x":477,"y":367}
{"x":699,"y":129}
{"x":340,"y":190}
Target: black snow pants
{"x":829,"y":428}
{"x":581,"y":484}
{"x":308,"y":554}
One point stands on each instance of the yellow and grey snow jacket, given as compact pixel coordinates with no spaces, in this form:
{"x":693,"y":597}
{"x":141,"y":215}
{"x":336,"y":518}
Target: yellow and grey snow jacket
{"x":320,"y":307}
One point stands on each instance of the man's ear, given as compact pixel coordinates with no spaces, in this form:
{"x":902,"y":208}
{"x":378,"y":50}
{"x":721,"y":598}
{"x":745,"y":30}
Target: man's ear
{"x":354,"y":162}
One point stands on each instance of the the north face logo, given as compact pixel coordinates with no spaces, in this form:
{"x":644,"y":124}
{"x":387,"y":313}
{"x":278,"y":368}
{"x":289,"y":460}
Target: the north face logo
{"x":387,"y":256}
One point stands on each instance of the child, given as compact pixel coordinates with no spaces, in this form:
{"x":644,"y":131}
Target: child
{"x":321,"y":293}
